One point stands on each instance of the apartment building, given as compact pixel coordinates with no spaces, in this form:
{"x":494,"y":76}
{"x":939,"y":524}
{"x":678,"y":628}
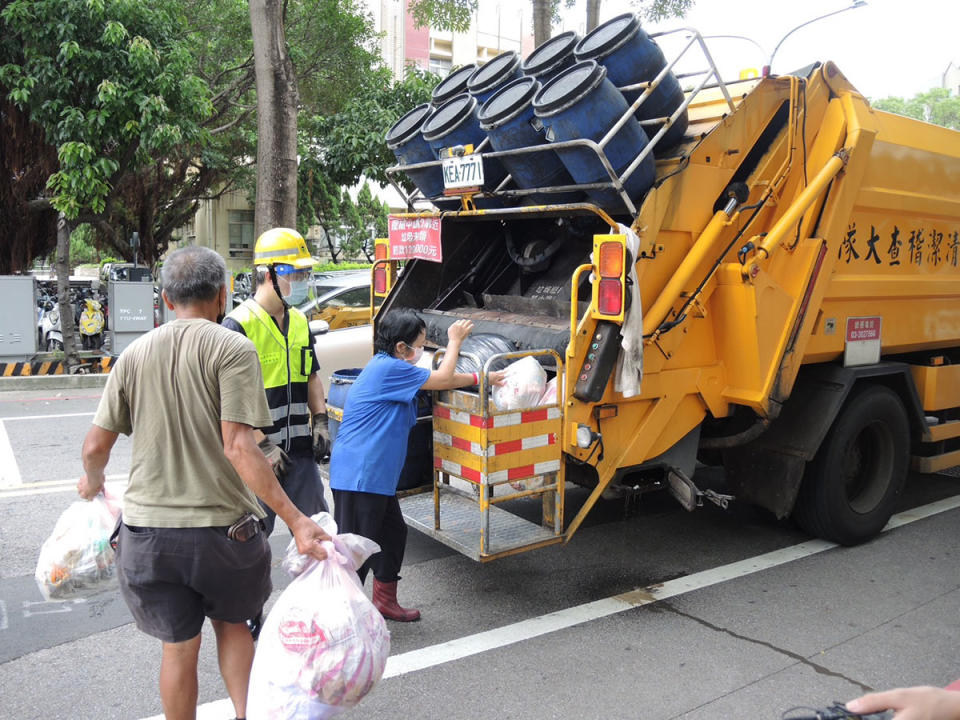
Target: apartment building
{"x":498,"y":26}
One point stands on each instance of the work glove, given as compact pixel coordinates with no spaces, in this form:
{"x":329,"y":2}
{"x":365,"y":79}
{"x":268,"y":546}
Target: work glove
{"x":276,"y":457}
{"x":321,"y":438}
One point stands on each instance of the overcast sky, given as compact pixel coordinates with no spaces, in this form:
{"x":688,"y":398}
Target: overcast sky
{"x":887,"y":47}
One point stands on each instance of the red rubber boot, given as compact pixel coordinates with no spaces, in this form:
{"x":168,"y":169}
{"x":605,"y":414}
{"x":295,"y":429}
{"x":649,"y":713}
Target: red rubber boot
{"x":385,"y":600}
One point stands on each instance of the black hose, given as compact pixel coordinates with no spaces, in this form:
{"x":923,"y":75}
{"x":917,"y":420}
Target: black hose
{"x":740,"y":438}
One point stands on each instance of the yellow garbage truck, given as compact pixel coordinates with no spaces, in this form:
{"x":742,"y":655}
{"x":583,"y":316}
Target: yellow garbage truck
{"x":783,"y":301}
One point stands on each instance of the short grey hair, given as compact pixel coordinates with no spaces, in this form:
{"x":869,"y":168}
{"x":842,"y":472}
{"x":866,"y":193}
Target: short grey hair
{"x":193,"y":274}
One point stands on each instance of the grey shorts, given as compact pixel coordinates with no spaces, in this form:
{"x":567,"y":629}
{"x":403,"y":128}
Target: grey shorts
{"x":172,"y":578}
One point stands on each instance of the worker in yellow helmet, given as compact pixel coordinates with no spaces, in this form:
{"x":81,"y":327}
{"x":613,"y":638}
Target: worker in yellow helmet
{"x":297,"y":440}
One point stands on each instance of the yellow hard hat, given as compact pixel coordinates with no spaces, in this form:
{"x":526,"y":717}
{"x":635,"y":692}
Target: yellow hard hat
{"x":282,"y":246}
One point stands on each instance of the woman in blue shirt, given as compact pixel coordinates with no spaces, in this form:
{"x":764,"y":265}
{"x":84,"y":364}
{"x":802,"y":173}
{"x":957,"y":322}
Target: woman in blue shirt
{"x":371,"y":444}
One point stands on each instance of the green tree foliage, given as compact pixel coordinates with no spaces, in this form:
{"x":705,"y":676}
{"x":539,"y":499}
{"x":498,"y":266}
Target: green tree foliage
{"x":456,"y":14}
{"x":318,"y":202}
{"x":935,"y":106}
{"x":353,"y":233}
{"x":112,"y":86}
{"x":196,"y":147}
{"x":443,"y":14}
{"x":657,"y":10}
{"x":82,"y":247}
{"x":351,"y":142}
{"x":340,"y":149}
{"x":334,"y":50}
{"x":373,"y":213}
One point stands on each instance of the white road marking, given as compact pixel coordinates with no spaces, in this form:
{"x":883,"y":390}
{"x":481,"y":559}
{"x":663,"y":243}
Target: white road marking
{"x":45,"y":417}
{"x":117,"y":483}
{"x":464,"y":647}
{"x":9,"y":470}
{"x":43,"y":607}
{"x":4,"y":623}
{"x":534,"y":627}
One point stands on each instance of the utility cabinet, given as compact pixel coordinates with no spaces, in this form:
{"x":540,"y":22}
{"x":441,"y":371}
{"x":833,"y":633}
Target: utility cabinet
{"x":131,"y":312}
{"x":18,"y":321}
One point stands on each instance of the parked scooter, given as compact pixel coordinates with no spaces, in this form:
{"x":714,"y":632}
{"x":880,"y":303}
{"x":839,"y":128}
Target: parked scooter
{"x":50,"y":334}
{"x":91,"y":324}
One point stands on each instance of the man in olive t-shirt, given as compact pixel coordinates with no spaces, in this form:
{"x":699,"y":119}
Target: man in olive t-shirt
{"x":191,"y":394}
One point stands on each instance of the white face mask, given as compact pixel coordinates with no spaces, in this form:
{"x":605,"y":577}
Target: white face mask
{"x":417,"y":354}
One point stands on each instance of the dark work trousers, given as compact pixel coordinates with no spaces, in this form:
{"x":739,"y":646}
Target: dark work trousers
{"x":303,"y":486}
{"x":377,"y":517}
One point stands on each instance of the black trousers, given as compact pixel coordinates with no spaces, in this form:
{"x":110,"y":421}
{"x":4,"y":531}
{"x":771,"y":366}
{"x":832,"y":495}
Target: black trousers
{"x":377,"y":517}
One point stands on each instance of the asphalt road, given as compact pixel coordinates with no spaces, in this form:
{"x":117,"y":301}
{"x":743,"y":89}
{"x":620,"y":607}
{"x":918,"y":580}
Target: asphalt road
{"x":737,"y":616}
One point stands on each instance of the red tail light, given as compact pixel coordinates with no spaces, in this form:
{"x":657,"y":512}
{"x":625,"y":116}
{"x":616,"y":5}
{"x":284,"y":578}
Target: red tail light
{"x":380,"y":280}
{"x":610,"y":296}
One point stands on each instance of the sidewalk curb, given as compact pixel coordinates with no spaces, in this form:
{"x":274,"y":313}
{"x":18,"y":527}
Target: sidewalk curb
{"x":52,"y":382}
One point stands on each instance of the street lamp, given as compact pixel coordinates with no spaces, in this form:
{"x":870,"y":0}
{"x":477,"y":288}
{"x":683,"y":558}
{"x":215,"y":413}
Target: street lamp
{"x":856,"y":4}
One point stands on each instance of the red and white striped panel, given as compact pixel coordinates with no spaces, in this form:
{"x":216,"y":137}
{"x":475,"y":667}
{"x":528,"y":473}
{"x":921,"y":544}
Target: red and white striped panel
{"x":495,"y":421}
{"x":510,"y":446}
{"x":458,"y":470}
{"x":452,"y":441}
{"x":518,"y":473}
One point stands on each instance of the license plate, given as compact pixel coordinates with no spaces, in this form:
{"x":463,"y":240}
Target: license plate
{"x":463,"y":172}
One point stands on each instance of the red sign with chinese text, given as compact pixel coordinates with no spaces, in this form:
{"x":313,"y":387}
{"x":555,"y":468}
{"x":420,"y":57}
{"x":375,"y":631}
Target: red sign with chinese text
{"x":415,"y":238}
{"x":863,"y":328}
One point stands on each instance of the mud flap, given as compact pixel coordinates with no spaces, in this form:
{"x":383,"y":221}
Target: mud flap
{"x":764,"y":477}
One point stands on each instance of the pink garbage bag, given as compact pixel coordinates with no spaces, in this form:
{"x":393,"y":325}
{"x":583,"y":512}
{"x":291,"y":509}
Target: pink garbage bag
{"x":324,"y":645}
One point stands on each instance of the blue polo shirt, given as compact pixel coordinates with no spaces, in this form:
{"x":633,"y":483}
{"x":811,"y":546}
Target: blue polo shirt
{"x":371,"y":444}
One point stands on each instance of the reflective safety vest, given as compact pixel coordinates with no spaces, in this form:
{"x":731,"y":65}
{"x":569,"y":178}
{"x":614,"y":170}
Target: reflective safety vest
{"x":286,"y":363}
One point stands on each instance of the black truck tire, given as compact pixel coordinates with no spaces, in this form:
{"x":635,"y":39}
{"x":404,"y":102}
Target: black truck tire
{"x":851,"y":487}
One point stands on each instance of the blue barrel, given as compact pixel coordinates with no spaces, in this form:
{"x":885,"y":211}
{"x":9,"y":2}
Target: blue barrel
{"x":581,"y":103}
{"x":409,"y":147}
{"x":452,"y":85}
{"x":456,"y":123}
{"x":509,"y":121}
{"x":418,"y":467}
{"x":487,"y":78}
{"x":631,"y":57}
{"x":340,"y":383}
{"x":552,"y":57}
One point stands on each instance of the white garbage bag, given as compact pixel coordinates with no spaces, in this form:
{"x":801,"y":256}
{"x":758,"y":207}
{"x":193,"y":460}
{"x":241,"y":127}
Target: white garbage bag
{"x":523,"y":385}
{"x":77,"y":561}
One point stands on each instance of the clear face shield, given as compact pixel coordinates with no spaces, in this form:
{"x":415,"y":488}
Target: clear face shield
{"x":297,"y":281}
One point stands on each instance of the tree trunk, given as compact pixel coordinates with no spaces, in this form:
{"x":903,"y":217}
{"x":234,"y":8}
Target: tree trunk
{"x":593,"y":14}
{"x":277,"y":100}
{"x":333,"y":251}
{"x":70,"y":357}
{"x":368,"y":252}
{"x":542,"y":21}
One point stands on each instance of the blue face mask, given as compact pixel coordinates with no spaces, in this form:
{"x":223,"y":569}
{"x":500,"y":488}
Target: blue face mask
{"x":299,"y":289}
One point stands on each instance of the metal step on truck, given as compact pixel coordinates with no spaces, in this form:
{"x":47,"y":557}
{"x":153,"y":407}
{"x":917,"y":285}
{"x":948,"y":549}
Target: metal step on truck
{"x":782,"y":299}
